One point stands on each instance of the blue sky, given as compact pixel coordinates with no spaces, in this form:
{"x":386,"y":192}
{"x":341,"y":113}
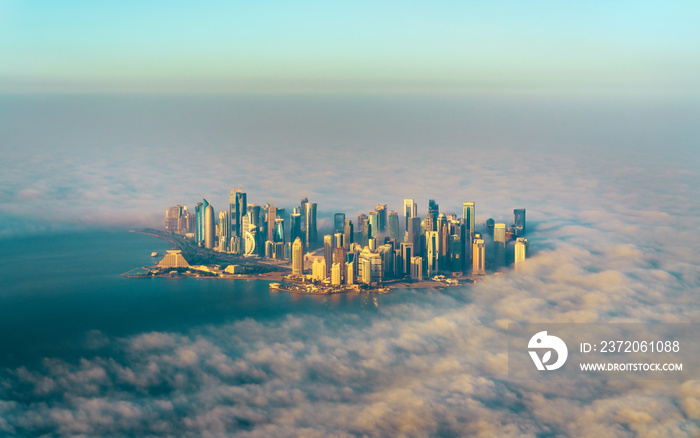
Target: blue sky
{"x":511,"y":46}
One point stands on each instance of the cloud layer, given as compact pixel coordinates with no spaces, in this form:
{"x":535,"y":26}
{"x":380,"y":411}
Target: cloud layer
{"x":612,"y":231}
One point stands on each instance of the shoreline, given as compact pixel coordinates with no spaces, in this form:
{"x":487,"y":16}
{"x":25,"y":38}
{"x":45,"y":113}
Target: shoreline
{"x":277,"y":273}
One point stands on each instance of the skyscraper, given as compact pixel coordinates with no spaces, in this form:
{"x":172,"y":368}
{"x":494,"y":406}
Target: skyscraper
{"x":311,"y":232}
{"x":519,"y":221}
{"x":302,"y":210}
{"x":410,"y":209}
{"x":349,"y":234}
{"x":468,"y":216}
{"x":499,"y":245}
{"x":295,"y":227}
{"x":338,"y":222}
{"x":393,"y":224}
{"x":224,"y":229}
{"x":328,"y":252}
{"x":209,"y":226}
{"x":278,"y":235}
{"x":271,"y":217}
{"x":433,"y":211}
{"x":199,"y":220}
{"x":335,"y":274}
{"x":432,"y":240}
{"x":478,"y":256}
{"x":520,"y":251}
{"x":238,"y":208}
{"x":381,"y":218}
{"x":297,"y":257}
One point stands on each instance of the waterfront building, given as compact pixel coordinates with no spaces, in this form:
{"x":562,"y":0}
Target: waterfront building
{"x":520,"y":251}
{"x":297,"y":257}
{"x":410,"y":209}
{"x":499,"y":245}
{"x":311,"y":232}
{"x":432,"y":240}
{"x":417,"y":268}
{"x":490,"y":224}
{"x":381,"y":218}
{"x":209,"y":225}
{"x":318,"y":270}
{"x":173,"y":259}
{"x":519,"y":221}
{"x":406,"y":255}
{"x":335,"y":274}
{"x":393,"y":225}
{"x":338,"y":222}
{"x":269,"y":249}
{"x":349,"y":273}
{"x":328,"y":252}
{"x":456,"y":253}
{"x":479,"y":255}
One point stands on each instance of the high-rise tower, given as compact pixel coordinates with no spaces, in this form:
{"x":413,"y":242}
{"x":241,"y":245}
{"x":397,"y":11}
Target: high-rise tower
{"x":238,"y":208}
{"x":499,"y":245}
{"x":519,"y":221}
{"x":209,"y":226}
{"x":520,"y":251}
{"x":479,"y":255}
{"x":297,"y":257}
{"x":410,"y":209}
{"x":311,"y":232}
{"x":393,"y":225}
{"x":381,"y":217}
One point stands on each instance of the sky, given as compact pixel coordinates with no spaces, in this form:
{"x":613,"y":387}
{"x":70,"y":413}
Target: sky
{"x":638,"y":47}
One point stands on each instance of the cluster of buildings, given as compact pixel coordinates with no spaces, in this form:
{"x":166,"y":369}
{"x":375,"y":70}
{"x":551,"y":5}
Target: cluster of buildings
{"x":377,"y":247}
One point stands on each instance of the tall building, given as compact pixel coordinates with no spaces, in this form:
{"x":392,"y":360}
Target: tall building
{"x":433,"y":212}
{"x":413,"y":234}
{"x":209,"y":226}
{"x":499,"y":245}
{"x":328,"y":252}
{"x":224,"y":229}
{"x":349,"y":273}
{"x":519,"y":221}
{"x":349,"y":234}
{"x":393,"y":225}
{"x":297,"y":257}
{"x":520,"y":251}
{"x":175,"y":218}
{"x":271,"y":217}
{"x":432,"y":241}
{"x":278,"y":235}
{"x":417,"y":268}
{"x":410,"y":209}
{"x":302,"y":211}
{"x":469,"y":216}
{"x":381,"y":217}
{"x":374,"y":222}
{"x":335,"y":274}
{"x":199,"y":221}
{"x":238,"y":208}
{"x":479,"y":255}
{"x":295,"y":227}
{"x":366,"y":232}
{"x":406,"y":255}
{"x":456,"y":248}
{"x":311,"y":232}
{"x":338,"y":222}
